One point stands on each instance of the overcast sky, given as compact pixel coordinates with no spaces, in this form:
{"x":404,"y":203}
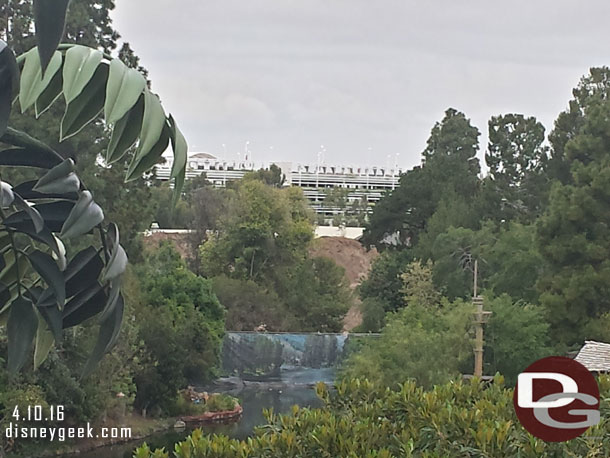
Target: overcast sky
{"x":366,"y":79}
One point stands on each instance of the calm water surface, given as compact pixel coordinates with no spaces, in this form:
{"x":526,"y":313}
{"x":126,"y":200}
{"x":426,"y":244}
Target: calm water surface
{"x":293,"y":387}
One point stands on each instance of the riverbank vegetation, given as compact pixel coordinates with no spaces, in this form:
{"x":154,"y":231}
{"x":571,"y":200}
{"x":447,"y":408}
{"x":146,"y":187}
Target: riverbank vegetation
{"x":362,"y":419}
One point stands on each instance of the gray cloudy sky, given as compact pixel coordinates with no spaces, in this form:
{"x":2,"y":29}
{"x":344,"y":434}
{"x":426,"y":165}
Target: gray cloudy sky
{"x":365,"y":78}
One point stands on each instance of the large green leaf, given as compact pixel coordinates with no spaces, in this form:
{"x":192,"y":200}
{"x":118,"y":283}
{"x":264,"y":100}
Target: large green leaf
{"x":32,"y":81}
{"x":49,"y":95}
{"x":86,"y":107}
{"x":52,"y":315}
{"x":13,"y":270}
{"x":125,"y":132}
{"x":83,"y":271}
{"x":85,"y":215}
{"x":117,"y":263}
{"x":125,"y":85}
{"x":60,"y":179}
{"x":26,"y":190}
{"x":50,"y":20}
{"x":178,"y":185}
{"x":44,"y":342}
{"x":141,"y":164}
{"x":153,"y":124}
{"x":179,"y":147}
{"x":107,"y":337}
{"x":29,"y":157}
{"x":50,"y":273}
{"x":84,"y":305}
{"x":31,"y":212}
{"x":54,"y":214}
{"x":5,"y":294}
{"x":114,"y":291}
{"x":80,"y":65}
{"x":21,"y":329}
{"x":9,"y":81}
{"x":45,"y":236}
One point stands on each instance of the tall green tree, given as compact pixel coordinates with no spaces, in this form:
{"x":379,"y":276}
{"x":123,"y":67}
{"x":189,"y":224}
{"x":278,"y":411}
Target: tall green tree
{"x":449,"y":166}
{"x":183,"y":340}
{"x":516,"y":335}
{"x":573,"y":236}
{"x":450,"y":156}
{"x":384,"y":282}
{"x":401,"y":215}
{"x":516,"y":158}
{"x":592,"y":88}
{"x":263,"y":228}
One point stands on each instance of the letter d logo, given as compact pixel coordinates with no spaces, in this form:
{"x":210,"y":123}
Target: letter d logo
{"x":556,"y":399}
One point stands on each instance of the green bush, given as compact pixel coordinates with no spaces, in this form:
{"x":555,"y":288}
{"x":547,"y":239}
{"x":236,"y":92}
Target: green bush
{"x":220,"y":402}
{"x":181,"y":324}
{"x":517,"y":335}
{"x":429,"y":345}
{"x":249,"y":305}
{"x":360,"y":419}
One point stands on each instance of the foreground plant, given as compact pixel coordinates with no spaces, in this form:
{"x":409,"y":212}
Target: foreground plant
{"x":43,"y":288}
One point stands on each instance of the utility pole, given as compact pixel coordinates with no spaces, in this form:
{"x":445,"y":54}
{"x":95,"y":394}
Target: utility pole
{"x":480,"y":318}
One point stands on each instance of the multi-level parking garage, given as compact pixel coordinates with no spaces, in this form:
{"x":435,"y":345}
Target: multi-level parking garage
{"x":360,"y":182}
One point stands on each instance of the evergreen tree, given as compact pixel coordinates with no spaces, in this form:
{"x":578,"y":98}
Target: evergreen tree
{"x":450,"y":156}
{"x":593,"y":87}
{"x":573,"y":235}
{"x":449,"y":166}
{"x":516,"y":159}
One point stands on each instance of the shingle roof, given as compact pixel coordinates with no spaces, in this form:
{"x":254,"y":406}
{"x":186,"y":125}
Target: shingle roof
{"x":595,"y":356}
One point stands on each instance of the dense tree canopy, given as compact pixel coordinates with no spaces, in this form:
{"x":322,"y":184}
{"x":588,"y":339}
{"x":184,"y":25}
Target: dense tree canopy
{"x":183,"y":340}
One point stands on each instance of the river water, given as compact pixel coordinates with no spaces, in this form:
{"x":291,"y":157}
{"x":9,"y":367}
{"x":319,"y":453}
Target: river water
{"x":264,"y":371}
{"x":294,"y":386}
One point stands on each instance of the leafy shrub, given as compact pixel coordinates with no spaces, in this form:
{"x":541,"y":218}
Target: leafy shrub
{"x":425,"y":344}
{"x":516,"y":336}
{"x":219,"y":402}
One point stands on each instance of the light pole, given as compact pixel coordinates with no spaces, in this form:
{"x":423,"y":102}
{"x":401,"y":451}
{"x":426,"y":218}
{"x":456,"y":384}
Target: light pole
{"x":247,"y":151}
{"x":320,"y":160}
{"x":394,"y":171}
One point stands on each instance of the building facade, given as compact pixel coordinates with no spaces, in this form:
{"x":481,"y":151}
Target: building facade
{"x":362,"y":186}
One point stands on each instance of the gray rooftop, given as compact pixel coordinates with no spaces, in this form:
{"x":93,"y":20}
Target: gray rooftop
{"x":595,"y":356}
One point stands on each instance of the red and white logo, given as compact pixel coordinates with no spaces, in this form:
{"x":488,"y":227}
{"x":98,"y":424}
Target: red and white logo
{"x":556,"y":399}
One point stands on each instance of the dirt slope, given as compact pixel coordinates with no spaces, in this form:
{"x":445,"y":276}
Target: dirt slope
{"x":356,"y":261}
{"x":347,"y":253}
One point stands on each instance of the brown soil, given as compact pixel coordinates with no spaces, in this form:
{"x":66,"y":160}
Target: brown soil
{"x":180,"y":242}
{"x":355,"y":259}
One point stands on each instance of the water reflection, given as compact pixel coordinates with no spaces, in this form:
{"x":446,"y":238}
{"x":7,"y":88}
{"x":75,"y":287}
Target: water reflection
{"x":294,"y":386}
